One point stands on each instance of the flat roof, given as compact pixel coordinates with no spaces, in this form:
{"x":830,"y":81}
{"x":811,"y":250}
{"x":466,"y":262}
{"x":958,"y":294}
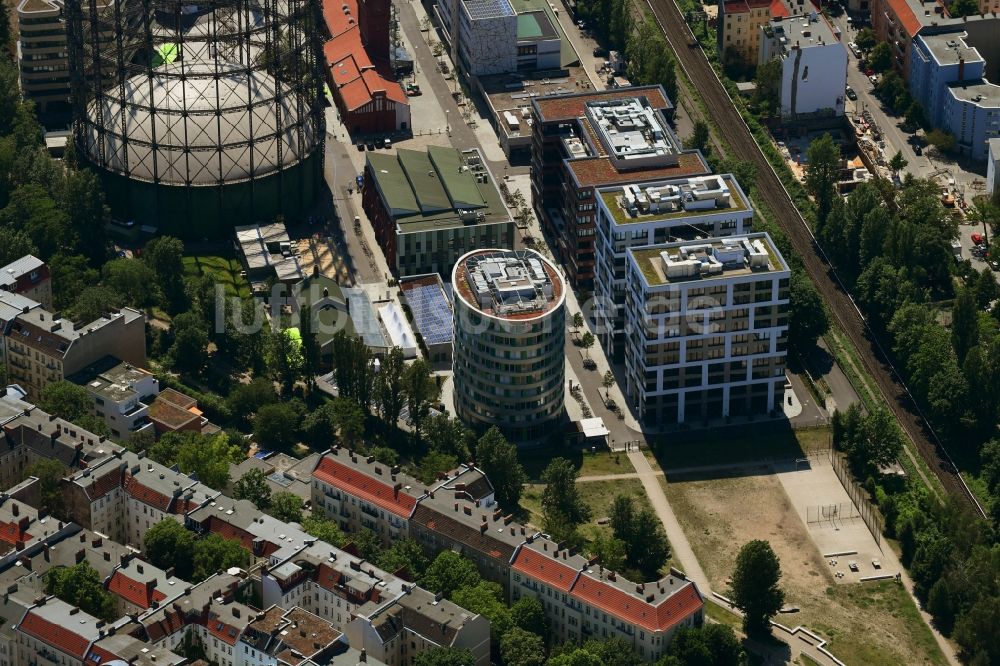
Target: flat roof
{"x":674,"y":199}
{"x":436,"y":189}
{"x":514,"y":91}
{"x":508,"y":284}
{"x":949,"y":48}
{"x":488,"y":9}
{"x":535,"y":26}
{"x":596,"y":171}
{"x":567,"y":54}
{"x":714,"y":258}
{"x":631,"y":129}
{"x":980,"y":92}
{"x":566,"y":107}
{"x":803,"y":30}
{"x":111,"y":378}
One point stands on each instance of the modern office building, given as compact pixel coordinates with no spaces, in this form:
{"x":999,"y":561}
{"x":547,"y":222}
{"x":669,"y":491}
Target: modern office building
{"x":706,"y":329}
{"x":43,"y":54}
{"x":652,"y":214}
{"x":509,"y":350}
{"x":585,"y":141}
{"x":813,"y":65}
{"x":430,"y":207}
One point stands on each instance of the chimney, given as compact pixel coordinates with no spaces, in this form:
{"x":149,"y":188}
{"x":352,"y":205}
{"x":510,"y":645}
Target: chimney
{"x":15,"y":509}
{"x":612,"y":576}
{"x":74,"y":610}
{"x":961,"y":69}
{"x":482,"y":528}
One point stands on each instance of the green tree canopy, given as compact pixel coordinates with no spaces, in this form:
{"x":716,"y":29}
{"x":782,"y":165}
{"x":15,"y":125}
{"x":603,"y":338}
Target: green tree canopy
{"x":207,"y":457}
{"x":253,"y":486}
{"x":214,"y":553}
{"x":807,"y":316}
{"x":66,"y":400}
{"x":323,"y":529}
{"x":404,"y":553}
{"x":444,"y":656}
{"x":562,"y":506}
{"x":276,"y":426}
{"x":190,"y":349}
{"x":647,"y":548}
{"x":523,"y":648}
{"x":880,"y":58}
{"x":168,"y":545}
{"x":754,"y":587}
{"x":286,"y":506}
{"x":822,"y":173}
{"x":486,"y":598}
{"x":80,"y":586}
{"x":708,"y":645}
{"x":49,"y":473}
{"x":448,"y":572}
{"x":498,"y":459}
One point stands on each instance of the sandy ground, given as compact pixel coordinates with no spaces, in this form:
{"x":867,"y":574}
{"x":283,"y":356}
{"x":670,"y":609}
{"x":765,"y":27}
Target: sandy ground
{"x":872,"y":623}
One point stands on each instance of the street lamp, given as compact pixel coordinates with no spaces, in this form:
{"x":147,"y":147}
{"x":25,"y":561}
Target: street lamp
{"x":447,"y":121}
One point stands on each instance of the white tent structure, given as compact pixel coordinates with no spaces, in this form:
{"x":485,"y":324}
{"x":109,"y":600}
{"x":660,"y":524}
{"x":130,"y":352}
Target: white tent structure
{"x":400,"y":333}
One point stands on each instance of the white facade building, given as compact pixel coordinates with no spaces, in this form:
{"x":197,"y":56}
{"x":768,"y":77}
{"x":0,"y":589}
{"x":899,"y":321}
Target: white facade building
{"x":486,"y":38}
{"x":120,"y":392}
{"x":813,"y":65}
{"x":651,"y":214}
{"x":706,"y":329}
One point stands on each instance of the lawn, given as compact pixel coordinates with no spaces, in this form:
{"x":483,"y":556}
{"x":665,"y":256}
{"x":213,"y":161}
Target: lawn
{"x":718,"y":450}
{"x":598,"y":495}
{"x":870,"y":623}
{"x":586,"y":463}
{"x":223,"y":270}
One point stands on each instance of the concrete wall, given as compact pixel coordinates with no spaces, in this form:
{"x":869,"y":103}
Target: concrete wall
{"x":813,"y":80}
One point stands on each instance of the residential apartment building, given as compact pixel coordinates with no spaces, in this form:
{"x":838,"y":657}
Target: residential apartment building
{"x":40,"y":347}
{"x":28,"y":276}
{"x":651,"y":214}
{"x":121,"y":393}
{"x":430,"y":207}
{"x":739,"y":27}
{"x":509,"y":353}
{"x":581,"y":599}
{"x":582,"y":142}
{"x":813,"y":65}
{"x":706,"y":329}
{"x":43,"y":53}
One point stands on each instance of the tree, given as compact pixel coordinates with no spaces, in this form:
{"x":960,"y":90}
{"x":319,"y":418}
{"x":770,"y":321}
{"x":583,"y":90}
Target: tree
{"x":253,"y":486}
{"x":578,"y":657}
{"x":131,"y":279}
{"x":94,"y":302}
{"x":964,"y":322}
{"x":943,"y":141}
{"x":14,"y":244}
{"x":190,"y":349}
{"x":976,"y":631}
{"x":880,"y":58}
{"x":66,"y":400}
{"x":642,"y":533}
{"x":587,"y":341}
{"x":960,"y":8}
{"x":872,"y":441}
{"x":708,"y":645}
{"x":353,"y":369}
{"x":88,"y":214}
{"x":807,"y":316}
{"x":528,"y":614}
{"x":286,"y":507}
{"x":276,"y":426}
{"x":141,"y":440}
{"x":32,"y":209}
{"x":699,"y":136}
{"x":165,"y":255}
{"x":389,"y":386}
{"x":444,"y":656}
{"x":309,"y":345}
{"x":246,"y":399}
{"x":449,"y":436}
{"x":755,"y":588}
{"x":206,"y":457}
{"x":404,"y":553}
{"x":168,"y":545}
{"x":214,"y":553}
{"x":49,"y":473}
{"x":420,"y":391}
{"x":522,"y":648}
{"x":284,"y":358}
{"x":562,"y":505}
{"x":366,"y":543}
{"x":767,"y":94}
{"x":448,"y":572}
{"x":498,"y":459}
{"x":898,"y":162}
{"x":613,"y":651}
{"x":865,"y":39}
{"x":486,"y":599}
{"x":607,"y":382}
{"x":70,"y":276}
{"x":80,"y":586}
{"x":822,"y":172}
{"x":577,"y":320}
{"x":323,"y":529}
{"x":347,"y":420}
{"x":385,"y":455}
{"x":610,"y":551}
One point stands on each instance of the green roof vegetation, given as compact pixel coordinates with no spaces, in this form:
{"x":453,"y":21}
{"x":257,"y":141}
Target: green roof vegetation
{"x":423,"y":179}
{"x":736,"y":204}
{"x":393,"y":184}
{"x":567,"y":55}
{"x":527,"y":27}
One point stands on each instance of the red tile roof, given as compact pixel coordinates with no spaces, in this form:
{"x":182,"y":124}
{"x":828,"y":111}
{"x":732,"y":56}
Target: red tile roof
{"x":361,"y":485}
{"x":909,"y":21}
{"x":146,"y":495}
{"x":227,"y":633}
{"x":170,"y":623}
{"x":133,"y":591}
{"x":11,"y":534}
{"x":55,"y":635}
{"x":327,"y":577}
{"x":99,"y":655}
{"x":565,"y":107}
{"x":744,"y":6}
{"x":778,"y":9}
{"x":105,"y":484}
{"x":356,"y":80}
{"x":546,"y":568}
{"x":634,"y":610}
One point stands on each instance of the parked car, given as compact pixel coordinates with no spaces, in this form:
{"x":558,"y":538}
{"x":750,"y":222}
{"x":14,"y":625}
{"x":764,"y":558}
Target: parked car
{"x":917,"y":150}
{"x":874,"y":79}
{"x":978,"y":239}
{"x":387,"y":143}
{"x":854,"y":49}
{"x":851,"y":95}
{"x":371,"y":144}
{"x":361,"y":146}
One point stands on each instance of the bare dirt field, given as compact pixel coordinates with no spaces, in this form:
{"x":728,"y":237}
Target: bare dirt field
{"x":872,"y":623}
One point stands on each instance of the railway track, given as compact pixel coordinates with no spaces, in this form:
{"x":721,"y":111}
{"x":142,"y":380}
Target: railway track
{"x":742,"y":145}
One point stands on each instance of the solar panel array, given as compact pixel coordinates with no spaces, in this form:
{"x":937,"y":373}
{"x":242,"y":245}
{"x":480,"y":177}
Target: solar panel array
{"x":432,"y":313}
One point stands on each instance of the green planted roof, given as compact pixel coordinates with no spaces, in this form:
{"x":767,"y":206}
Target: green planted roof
{"x":460,"y":183}
{"x":393,"y":184}
{"x":427,"y":187}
